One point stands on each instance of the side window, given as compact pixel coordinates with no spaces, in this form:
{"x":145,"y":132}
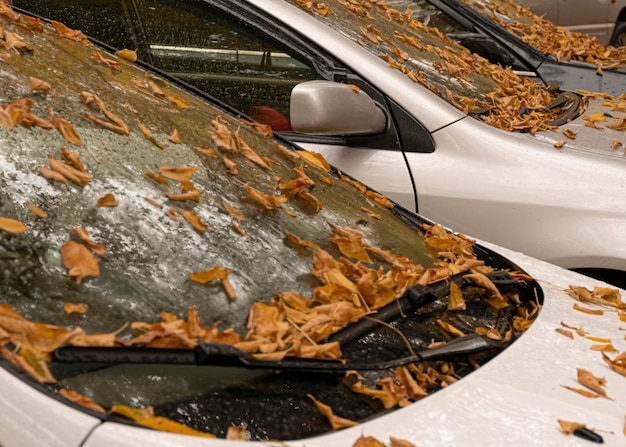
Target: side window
{"x":195,"y":43}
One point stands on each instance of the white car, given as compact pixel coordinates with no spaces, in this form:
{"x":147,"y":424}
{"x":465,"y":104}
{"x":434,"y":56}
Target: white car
{"x":426,"y":141}
{"x":174,"y":275}
{"x":603,"y":19}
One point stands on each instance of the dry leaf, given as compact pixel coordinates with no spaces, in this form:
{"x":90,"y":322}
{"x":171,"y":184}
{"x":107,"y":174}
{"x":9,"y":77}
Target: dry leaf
{"x":194,"y":220}
{"x":75,"y":308}
{"x":129,"y":55}
{"x":37,"y":211}
{"x":108,"y":200}
{"x":336,"y":422}
{"x":81,"y":399}
{"x":65,"y":128}
{"x":37,"y":85}
{"x":267,"y":201}
{"x":79,"y":262}
{"x":569,"y":427}
{"x":12,"y":226}
{"x":178,"y":173}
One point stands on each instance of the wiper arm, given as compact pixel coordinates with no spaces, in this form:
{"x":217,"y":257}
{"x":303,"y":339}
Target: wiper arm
{"x":569,"y":102}
{"x":209,"y":354}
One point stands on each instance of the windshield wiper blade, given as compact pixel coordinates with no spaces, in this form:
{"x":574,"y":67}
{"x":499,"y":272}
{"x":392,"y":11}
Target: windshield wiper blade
{"x":569,"y":102}
{"x":210,"y":354}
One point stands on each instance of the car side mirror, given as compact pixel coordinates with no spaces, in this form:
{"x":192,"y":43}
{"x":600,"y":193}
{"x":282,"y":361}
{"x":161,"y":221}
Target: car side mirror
{"x":331,"y":108}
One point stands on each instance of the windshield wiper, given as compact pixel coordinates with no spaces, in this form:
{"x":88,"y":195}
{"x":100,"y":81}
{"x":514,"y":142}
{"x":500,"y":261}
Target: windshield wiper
{"x":570,"y":104}
{"x":210,"y":354}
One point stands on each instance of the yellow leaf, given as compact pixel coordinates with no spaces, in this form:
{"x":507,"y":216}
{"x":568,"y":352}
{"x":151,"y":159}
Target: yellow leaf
{"x":12,"y":226}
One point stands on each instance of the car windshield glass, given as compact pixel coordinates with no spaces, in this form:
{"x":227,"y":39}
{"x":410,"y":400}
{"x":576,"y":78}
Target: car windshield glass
{"x":546,"y":36}
{"x":135,"y":215}
{"x":429,"y":14}
{"x":428,"y":57}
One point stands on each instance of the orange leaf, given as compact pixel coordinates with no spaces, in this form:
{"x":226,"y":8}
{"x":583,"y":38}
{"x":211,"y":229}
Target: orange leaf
{"x":98,"y":57}
{"x":79,"y":261}
{"x":69,"y":172}
{"x":191,"y":195}
{"x":84,"y":237}
{"x":129,"y":55}
{"x":178,"y":173}
{"x":65,"y":128}
{"x":54,"y":176}
{"x":269,"y":202}
{"x":37,"y":85}
{"x":75,"y":308}
{"x":81,"y":399}
{"x":194,"y":220}
{"x":174,"y":137}
{"x":107,"y":200}
{"x":12,"y":226}
{"x":205,"y":276}
{"x":336,"y":422}
{"x":37,"y":211}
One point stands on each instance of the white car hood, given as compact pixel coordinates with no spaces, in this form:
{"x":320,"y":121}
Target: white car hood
{"x":514,"y":400}
{"x":597,"y":142}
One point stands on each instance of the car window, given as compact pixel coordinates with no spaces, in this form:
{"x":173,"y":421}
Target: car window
{"x":429,"y":14}
{"x":135,"y":215}
{"x":197,"y":44}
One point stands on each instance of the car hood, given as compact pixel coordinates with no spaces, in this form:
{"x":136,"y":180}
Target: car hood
{"x":598,"y":132}
{"x":520,"y":395}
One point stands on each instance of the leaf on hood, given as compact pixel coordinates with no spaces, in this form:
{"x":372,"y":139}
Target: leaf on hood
{"x":39,"y":372}
{"x":618,"y":364}
{"x":456,"y":297}
{"x":336,"y":422}
{"x":584,"y":393}
{"x":587,"y":379}
{"x":569,"y":427}
{"x":367,"y":441}
{"x":146,"y":418}
{"x":108,"y":200}
{"x":79,"y":261}
{"x":12,"y":226}
{"x":587,"y":310}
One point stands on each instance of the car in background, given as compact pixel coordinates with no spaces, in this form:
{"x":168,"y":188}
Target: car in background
{"x":398,"y":106}
{"x":506,"y":33}
{"x":605,"y":20}
{"x":175,"y":275}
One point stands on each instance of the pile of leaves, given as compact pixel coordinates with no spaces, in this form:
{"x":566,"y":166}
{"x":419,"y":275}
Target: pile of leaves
{"x":549,"y":38}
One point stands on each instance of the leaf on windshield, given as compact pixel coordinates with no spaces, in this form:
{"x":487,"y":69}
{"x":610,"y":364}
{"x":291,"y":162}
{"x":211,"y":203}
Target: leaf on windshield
{"x":269,"y":202}
{"x":233,"y":211}
{"x":216,"y":273}
{"x":237,"y":433}
{"x":114,"y":124}
{"x":69,"y":33}
{"x":157,"y":178}
{"x":37,"y":211}
{"x":379,"y":199}
{"x":69,"y":172}
{"x":108,"y":200}
{"x":315,"y":159}
{"x":98,"y":57}
{"x":75,"y":308}
{"x":449,"y":328}
{"x":65,"y":128}
{"x":351,"y":247}
{"x":230,"y":165}
{"x":178,"y":173}
{"x":174,"y":137}
{"x":336,"y":422}
{"x":249,"y":153}
{"x":81,"y":400}
{"x":146,"y":133}
{"x":16,"y":42}
{"x":84,"y":237}
{"x":54,"y":176}
{"x":79,"y":261}
{"x":12,"y":226}
{"x":37,"y":85}
{"x":194,"y":220}
{"x":299,"y":184}
{"x":183,"y":196}
{"x":29,"y":363}
{"x":72,"y":159}
{"x":126,"y":54}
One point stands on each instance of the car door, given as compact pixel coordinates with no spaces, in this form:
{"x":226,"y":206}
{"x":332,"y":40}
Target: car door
{"x":248,"y":62}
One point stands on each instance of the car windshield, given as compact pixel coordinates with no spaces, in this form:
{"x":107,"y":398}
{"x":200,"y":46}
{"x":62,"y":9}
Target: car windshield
{"x":134,"y":215}
{"x":496,"y":94}
{"x":547,"y":37}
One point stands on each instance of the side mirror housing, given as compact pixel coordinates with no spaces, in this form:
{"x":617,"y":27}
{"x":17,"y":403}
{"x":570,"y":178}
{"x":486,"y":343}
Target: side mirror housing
{"x":331,"y":108}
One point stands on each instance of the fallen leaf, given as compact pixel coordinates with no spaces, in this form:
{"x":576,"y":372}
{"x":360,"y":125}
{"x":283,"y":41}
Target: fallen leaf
{"x":79,"y":261}
{"x":75,"y":308}
{"x":37,"y":211}
{"x":12,"y":226}
{"x":129,"y":55}
{"x":65,"y":128}
{"x":569,"y":427}
{"x":267,"y":201}
{"x":108,"y":200}
{"x":98,"y":57}
{"x":178,"y":173}
{"x":37,"y":85}
{"x":194,"y":220}
{"x":336,"y":422}
{"x":81,"y":400}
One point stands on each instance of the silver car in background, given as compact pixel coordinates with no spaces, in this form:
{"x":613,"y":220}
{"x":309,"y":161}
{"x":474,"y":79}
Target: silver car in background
{"x":604,"y":19}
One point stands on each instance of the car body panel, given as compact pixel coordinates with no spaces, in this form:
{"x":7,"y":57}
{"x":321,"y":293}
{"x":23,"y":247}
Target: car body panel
{"x":514,"y":397}
{"x":31,"y":418}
